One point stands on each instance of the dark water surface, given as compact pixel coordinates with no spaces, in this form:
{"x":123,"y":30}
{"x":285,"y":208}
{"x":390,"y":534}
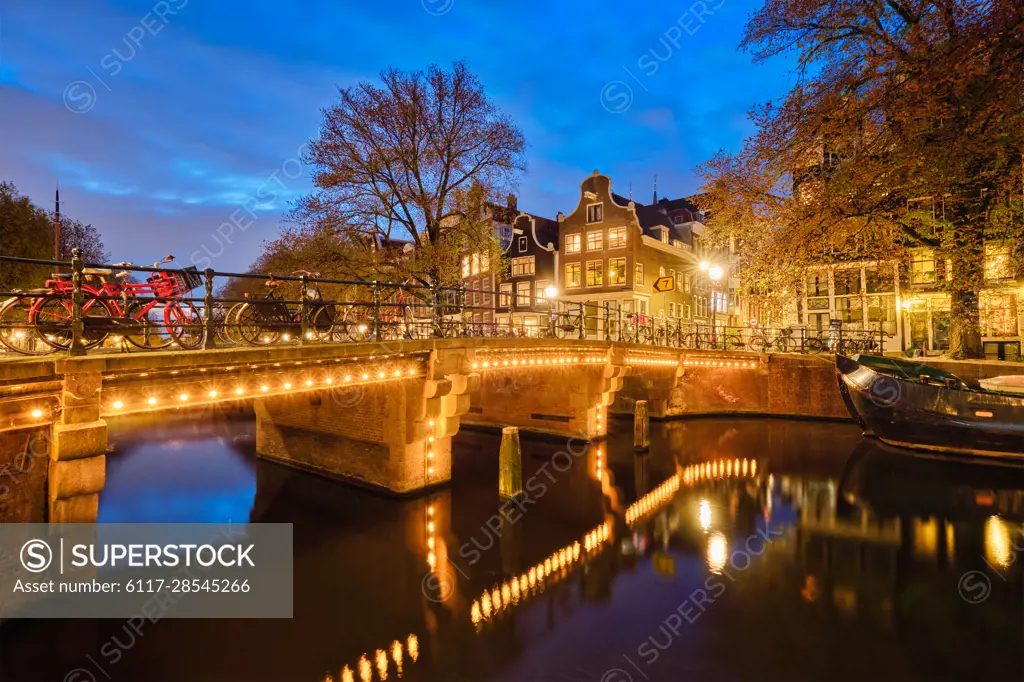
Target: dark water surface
{"x":735,"y":550}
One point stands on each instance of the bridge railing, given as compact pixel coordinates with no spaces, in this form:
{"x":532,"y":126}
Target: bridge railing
{"x":88,"y":307}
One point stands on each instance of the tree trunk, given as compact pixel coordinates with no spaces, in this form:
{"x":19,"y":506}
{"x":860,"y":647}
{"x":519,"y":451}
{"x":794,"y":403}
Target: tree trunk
{"x":964,"y":326}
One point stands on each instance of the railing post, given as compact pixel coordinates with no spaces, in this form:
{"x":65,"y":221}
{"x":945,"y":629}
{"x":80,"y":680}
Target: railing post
{"x":211,"y":338}
{"x":77,"y":299}
{"x":435,"y":300}
{"x":303,"y":310}
{"x":376,"y":310}
{"x":583,"y":321}
{"x":607,"y":332}
{"x":619,"y":310}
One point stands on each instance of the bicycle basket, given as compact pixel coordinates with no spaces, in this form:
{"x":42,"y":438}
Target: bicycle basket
{"x":190,"y":278}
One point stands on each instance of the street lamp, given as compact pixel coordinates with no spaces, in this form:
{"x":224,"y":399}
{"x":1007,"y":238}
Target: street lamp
{"x":715,"y":273}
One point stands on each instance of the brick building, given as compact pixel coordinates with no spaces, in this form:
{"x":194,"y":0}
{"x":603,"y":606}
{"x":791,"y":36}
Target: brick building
{"x":612,"y":249}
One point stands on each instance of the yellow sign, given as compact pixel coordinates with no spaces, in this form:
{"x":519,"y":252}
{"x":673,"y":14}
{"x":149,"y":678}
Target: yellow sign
{"x":664,"y":564}
{"x":663,"y":284}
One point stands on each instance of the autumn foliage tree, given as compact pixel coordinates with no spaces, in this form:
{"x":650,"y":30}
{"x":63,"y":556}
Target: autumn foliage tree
{"x":415,"y":158}
{"x":896,"y":100}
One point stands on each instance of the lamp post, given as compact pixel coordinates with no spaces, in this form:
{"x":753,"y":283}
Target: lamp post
{"x":550,"y":292}
{"x":715,"y":273}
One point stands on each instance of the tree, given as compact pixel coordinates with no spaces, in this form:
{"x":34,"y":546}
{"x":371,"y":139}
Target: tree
{"x":414,"y":159}
{"x":896,"y":100}
{"x":75,"y":235}
{"x":25,"y":232}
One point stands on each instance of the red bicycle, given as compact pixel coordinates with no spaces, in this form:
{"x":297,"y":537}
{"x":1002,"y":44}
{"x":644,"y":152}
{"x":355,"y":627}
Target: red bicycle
{"x":149,"y":315}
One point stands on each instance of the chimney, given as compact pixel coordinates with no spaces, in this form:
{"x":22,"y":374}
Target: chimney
{"x":513,"y":206}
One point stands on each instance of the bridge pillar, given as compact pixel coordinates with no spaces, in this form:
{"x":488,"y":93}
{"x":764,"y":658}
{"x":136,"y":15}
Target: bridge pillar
{"x":569,"y":399}
{"x":394,"y":435}
{"x":77,"y":471}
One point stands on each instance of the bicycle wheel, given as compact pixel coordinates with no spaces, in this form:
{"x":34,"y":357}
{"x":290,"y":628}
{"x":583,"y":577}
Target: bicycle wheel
{"x":17,"y":332}
{"x":227,"y":330}
{"x":783,"y":344}
{"x":566,"y":326}
{"x":734,"y":342}
{"x":149,"y":331}
{"x":52,"y":319}
{"x":322,"y":324}
{"x":353,"y":324}
{"x":185,"y":324}
{"x":757,"y":344}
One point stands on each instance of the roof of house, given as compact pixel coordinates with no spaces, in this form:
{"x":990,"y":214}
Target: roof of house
{"x":545,"y":230}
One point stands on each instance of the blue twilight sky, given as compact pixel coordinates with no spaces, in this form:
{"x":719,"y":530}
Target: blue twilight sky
{"x":161,"y":118}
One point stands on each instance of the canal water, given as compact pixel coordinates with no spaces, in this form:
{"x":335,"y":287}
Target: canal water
{"x":736,"y":549}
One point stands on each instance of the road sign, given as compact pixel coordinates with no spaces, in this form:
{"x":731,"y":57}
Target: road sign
{"x":663,"y":284}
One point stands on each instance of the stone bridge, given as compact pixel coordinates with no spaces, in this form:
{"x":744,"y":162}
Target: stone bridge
{"x":382,"y":414}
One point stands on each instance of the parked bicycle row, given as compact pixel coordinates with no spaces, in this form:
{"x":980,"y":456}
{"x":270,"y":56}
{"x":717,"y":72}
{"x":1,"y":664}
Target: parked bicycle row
{"x":104,"y":307}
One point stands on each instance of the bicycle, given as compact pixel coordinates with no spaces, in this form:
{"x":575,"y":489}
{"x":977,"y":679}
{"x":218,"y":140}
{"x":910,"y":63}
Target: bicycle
{"x":270,"y":318}
{"x":149,"y":315}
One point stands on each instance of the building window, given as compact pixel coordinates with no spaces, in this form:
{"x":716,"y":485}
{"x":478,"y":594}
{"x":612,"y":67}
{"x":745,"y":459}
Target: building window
{"x":572,"y":243}
{"x":847,"y":282}
{"x":879,"y":282}
{"x":998,"y":264}
{"x":572,"y":275}
{"x":671,"y":309}
{"x":661,"y":271}
{"x":485,"y":262}
{"x":882,"y":313}
{"x":616,"y":271}
{"x":687,"y":314}
{"x":506,"y":295}
{"x":522,"y":245}
{"x":677,"y":220}
{"x":999,"y":315}
{"x":594,"y":273}
{"x":540,"y":289}
{"x":595,"y":240}
{"x":474,"y":264}
{"x":638,"y":276}
{"x":685,"y":280}
{"x":678,"y":244}
{"x":664,"y":236}
{"x":817,"y":284}
{"x":595,"y":213}
{"x":617,"y":238}
{"x":465,"y":266}
{"x":850,"y":309}
{"x":523,"y":294}
{"x":922,"y":267}
{"x":523,"y":265}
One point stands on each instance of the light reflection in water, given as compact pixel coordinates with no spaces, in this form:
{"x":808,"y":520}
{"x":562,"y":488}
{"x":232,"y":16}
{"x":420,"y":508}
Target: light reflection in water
{"x":718,"y":552}
{"x":998,"y":549}
{"x":705,"y":515}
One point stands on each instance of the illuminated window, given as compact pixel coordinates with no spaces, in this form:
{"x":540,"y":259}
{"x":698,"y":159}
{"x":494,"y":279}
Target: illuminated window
{"x":595,"y":213}
{"x":922,"y":267}
{"x":616,"y":271}
{"x":523,"y":266}
{"x":475,"y":264}
{"x":998,"y":263}
{"x":572,"y":243}
{"x":522,"y":245}
{"x":617,"y":238}
{"x":539,"y":287}
{"x":638,"y":277}
{"x":506,"y":295}
{"x":572,"y":275}
{"x":523,"y":294}
{"x":595,"y":274}
{"x":465,"y":266}
{"x":595,"y":240}
{"x":485,"y":262}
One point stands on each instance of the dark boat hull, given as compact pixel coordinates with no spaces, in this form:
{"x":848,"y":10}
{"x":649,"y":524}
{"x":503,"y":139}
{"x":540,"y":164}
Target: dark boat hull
{"x":930,"y":417}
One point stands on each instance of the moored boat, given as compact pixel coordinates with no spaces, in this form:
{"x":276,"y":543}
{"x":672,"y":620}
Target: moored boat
{"x":1013,"y":383}
{"x":916,"y":406}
